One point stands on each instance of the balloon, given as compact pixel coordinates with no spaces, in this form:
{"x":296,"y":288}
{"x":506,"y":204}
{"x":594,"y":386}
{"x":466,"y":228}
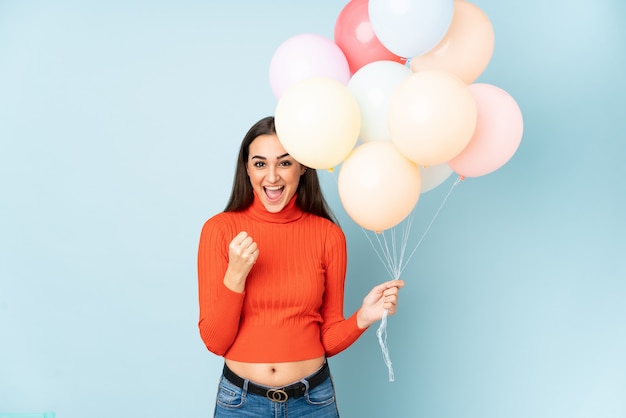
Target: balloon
{"x":377,"y":186}
{"x":466,"y":48}
{"x":372,"y":87}
{"x":317,"y":122}
{"x":356,"y":38}
{"x":303,"y":56}
{"x":409,"y":28}
{"x":499,"y":129}
{"x":432,"y":116}
{"x":434,"y":176}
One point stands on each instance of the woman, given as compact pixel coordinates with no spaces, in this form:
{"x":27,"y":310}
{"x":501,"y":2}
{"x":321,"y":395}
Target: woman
{"x":271,"y":272}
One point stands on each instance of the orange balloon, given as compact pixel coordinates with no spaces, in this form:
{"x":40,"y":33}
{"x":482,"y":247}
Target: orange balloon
{"x":465,"y":49}
{"x":378,"y":186}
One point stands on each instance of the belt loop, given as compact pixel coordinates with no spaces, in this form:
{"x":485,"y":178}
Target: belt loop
{"x":307,"y":386}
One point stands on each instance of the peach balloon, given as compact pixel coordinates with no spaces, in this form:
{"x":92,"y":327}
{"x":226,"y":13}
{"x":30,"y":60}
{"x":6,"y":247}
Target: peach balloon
{"x":498,"y":133}
{"x":465,"y":49}
{"x":431,"y":117}
{"x":318,"y":121}
{"x":378,"y":186}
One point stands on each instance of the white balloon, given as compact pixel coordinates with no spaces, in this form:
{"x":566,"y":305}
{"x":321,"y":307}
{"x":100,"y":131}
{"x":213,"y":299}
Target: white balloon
{"x":410,"y":28}
{"x":434,"y":176}
{"x":372,"y":86}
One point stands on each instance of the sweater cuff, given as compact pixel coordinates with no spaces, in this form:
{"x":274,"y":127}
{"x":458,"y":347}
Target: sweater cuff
{"x":230,"y":298}
{"x":354,"y":323}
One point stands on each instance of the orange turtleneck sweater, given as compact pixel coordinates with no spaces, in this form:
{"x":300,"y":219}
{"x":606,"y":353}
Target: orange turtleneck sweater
{"x":292,"y":308}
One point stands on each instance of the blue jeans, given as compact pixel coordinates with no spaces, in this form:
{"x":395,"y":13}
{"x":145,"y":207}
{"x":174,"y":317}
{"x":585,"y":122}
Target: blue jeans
{"x":233,"y":401}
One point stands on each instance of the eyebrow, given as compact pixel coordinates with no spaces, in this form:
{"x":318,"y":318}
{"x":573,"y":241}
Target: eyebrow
{"x":263,"y":158}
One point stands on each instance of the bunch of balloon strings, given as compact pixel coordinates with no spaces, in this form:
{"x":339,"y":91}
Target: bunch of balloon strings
{"x":391,"y":250}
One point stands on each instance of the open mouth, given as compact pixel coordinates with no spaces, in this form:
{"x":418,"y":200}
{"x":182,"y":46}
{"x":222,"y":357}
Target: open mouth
{"x":273,"y":193}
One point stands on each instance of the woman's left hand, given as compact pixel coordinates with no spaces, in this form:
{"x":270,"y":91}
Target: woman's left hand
{"x":380,"y":298}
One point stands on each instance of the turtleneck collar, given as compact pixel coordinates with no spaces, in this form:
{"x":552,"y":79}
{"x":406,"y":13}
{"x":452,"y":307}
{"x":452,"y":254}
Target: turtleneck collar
{"x":291,"y":212}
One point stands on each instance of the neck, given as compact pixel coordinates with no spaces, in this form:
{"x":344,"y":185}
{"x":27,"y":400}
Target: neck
{"x":291,"y":212}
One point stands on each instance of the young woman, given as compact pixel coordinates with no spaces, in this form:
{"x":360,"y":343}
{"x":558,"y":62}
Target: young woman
{"x":271,"y":272}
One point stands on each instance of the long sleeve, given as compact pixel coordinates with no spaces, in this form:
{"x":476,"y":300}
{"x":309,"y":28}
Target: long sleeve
{"x":292,"y":307}
{"x":338,"y":333}
{"x":220,"y":307}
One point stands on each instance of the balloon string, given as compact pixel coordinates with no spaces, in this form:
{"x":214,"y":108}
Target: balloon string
{"x":394,"y":263}
{"x":381,"y":333}
{"x":392,"y":259}
{"x":384,"y":258}
{"x":432,"y":221}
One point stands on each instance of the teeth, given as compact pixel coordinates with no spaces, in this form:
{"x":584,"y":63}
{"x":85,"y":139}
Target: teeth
{"x":274,"y":187}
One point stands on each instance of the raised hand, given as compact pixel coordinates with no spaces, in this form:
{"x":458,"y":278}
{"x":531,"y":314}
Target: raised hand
{"x":242,"y":254}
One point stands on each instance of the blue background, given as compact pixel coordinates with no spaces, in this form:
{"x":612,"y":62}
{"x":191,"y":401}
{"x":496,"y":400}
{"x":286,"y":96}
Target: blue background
{"x":119,"y":127}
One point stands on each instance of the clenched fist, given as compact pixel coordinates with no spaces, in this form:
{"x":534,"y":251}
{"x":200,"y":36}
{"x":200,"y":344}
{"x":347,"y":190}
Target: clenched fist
{"x":242,"y":254}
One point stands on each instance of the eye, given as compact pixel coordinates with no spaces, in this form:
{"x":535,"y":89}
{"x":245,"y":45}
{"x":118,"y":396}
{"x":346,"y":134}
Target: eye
{"x":259,"y":164}
{"x":285,"y":163}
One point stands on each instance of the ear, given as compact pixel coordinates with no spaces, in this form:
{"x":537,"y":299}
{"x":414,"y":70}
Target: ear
{"x":303,"y":170}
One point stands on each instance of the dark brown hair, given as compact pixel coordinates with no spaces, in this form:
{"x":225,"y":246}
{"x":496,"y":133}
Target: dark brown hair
{"x":309,"y":193}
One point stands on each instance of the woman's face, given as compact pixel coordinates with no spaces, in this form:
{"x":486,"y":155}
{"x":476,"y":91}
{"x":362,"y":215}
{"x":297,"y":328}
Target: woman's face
{"x":273,"y":173}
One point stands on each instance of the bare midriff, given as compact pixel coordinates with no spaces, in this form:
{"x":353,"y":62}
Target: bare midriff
{"x":275,"y":374}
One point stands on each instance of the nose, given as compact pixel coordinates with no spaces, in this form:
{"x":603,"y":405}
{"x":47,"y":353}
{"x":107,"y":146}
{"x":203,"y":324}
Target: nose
{"x":272,"y":175}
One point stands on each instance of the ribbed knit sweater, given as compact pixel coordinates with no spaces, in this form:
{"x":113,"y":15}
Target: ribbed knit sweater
{"x":292,"y":306}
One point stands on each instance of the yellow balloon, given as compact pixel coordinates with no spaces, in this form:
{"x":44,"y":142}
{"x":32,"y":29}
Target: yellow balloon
{"x":378,"y":186}
{"x":466,"y":48}
{"x":431,"y":117}
{"x":318,"y":122}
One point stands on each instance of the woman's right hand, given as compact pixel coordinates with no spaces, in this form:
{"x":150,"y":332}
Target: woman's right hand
{"x":242,"y":254}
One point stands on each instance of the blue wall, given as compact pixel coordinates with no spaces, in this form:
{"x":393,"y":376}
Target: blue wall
{"x":119,"y":126}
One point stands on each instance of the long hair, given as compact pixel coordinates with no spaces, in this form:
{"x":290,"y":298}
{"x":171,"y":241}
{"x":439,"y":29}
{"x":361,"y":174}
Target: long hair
{"x":309,"y":193}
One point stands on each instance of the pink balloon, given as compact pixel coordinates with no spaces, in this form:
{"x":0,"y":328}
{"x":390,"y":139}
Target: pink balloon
{"x":356,"y":38}
{"x":498,"y":133}
{"x":303,"y":56}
